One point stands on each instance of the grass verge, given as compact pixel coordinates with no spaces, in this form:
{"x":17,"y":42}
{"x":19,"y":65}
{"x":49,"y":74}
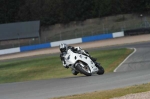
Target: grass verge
{"x":51,"y":67}
{"x":110,"y":93}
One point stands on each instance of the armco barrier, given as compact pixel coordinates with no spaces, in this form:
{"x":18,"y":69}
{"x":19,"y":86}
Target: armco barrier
{"x":97,"y":37}
{"x":35,"y":47}
{"x":53,"y":44}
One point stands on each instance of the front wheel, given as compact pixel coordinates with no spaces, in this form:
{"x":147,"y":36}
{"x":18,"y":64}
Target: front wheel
{"x":100,"y":69}
{"x":84,"y":69}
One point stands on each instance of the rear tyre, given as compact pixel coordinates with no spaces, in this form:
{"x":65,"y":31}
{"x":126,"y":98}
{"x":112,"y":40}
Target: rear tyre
{"x":100,"y":69}
{"x":83,"y":70}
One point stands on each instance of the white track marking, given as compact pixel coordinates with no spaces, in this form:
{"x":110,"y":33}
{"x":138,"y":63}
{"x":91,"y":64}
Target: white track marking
{"x":126,"y":59}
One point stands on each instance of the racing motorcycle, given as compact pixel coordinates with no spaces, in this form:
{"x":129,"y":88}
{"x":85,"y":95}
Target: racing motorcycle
{"x":80,"y":63}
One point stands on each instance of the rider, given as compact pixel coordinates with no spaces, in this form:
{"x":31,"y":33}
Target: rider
{"x":63,"y":49}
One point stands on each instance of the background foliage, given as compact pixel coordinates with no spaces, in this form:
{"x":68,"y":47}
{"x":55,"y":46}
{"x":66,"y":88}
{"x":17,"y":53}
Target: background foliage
{"x":63,"y":11}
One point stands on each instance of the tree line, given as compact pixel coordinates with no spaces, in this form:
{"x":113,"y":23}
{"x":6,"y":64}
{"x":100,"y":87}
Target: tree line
{"x":63,"y":11}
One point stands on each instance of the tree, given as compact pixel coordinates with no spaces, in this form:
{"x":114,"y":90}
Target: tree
{"x":9,"y":10}
{"x":63,"y":11}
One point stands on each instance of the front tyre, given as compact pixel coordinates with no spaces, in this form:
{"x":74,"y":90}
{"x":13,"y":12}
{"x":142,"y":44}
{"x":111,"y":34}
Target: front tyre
{"x":84,"y":70}
{"x":100,"y":69}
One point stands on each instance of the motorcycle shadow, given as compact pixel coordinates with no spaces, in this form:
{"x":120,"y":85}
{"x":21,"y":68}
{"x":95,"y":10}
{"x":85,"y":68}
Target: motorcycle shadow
{"x":80,"y":76}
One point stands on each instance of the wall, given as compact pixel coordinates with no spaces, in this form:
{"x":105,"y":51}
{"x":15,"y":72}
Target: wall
{"x":56,"y":43}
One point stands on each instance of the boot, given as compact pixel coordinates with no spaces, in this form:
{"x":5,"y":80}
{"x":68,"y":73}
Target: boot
{"x":74,"y":72}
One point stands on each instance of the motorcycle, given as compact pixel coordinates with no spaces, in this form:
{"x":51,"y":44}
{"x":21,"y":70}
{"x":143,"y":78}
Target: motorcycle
{"x":80,"y":63}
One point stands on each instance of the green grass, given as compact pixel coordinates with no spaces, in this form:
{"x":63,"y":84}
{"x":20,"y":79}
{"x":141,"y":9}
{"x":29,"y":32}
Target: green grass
{"x":110,"y":93}
{"x":51,"y":67}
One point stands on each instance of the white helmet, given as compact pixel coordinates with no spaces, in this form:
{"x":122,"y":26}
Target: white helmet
{"x":63,"y":47}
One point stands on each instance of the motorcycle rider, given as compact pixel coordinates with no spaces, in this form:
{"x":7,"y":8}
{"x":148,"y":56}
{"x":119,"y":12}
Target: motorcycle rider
{"x":63,"y":49}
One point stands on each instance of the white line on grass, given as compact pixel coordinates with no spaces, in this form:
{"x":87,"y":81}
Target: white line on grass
{"x":125,"y":59}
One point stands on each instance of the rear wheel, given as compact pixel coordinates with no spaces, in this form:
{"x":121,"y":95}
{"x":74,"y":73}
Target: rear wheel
{"x":84,"y":69}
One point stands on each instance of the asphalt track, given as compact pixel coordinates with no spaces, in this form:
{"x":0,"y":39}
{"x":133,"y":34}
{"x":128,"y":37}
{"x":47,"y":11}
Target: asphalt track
{"x":135,"y":70}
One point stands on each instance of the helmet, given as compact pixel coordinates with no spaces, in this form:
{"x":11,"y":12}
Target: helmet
{"x":63,"y":47}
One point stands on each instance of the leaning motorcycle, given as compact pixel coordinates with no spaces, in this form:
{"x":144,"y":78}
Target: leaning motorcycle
{"x":82,"y":64}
